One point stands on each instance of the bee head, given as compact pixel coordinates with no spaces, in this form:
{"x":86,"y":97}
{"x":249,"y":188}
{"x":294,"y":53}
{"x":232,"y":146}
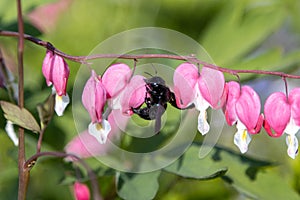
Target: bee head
{"x":156,"y":80}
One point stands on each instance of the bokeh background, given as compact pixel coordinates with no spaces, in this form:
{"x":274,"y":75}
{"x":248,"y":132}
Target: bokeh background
{"x":238,"y":34}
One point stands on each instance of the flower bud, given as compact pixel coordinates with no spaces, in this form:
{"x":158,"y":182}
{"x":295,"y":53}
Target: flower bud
{"x":81,"y":191}
{"x":56,"y":71}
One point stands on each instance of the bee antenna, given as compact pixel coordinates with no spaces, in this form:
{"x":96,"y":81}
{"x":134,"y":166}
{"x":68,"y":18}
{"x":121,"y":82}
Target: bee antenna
{"x":154,"y":69}
{"x":148,"y":74}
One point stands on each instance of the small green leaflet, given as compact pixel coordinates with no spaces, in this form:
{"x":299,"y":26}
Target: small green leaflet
{"x":46,"y":110}
{"x":21,"y":117}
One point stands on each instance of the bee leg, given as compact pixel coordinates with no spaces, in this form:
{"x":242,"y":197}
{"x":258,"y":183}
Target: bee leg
{"x":142,"y":112}
{"x":172,"y":101}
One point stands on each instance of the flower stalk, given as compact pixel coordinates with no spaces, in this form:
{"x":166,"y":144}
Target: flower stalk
{"x":190,"y":58}
{"x":23,"y":171}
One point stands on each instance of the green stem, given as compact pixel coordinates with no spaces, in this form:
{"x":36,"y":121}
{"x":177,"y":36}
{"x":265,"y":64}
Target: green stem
{"x":23,"y":171}
{"x":192,"y":59}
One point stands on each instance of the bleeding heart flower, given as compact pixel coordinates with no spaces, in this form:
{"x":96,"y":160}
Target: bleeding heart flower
{"x":123,"y":91}
{"x":248,"y":110}
{"x":56,"y":71}
{"x":81,"y":191}
{"x":294,"y":123}
{"x":282,"y":115}
{"x":115,"y":78}
{"x":233,"y":94}
{"x":277,"y":114}
{"x":133,"y":95}
{"x":185,"y":79}
{"x":294,"y":101}
{"x":201,"y":89}
{"x":94,"y":99}
{"x":243,"y":108}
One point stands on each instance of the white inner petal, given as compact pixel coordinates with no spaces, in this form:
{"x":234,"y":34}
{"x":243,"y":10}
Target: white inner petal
{"x":61,"y":102}
{"x":199,"y":102}
{"x":116,"y":101}
{"x":242,"y":138}
{"x":292,"y":142}
{"x":203,"y":125}
{"x":100,"y":130}
{"x":291,"y":139}
{"x":291,"y":127}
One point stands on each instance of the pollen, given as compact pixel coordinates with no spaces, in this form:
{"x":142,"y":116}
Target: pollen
{"x":289,"y":139}
{"x":59,"y":98}
{"x":244,"y":135}
{"x":99,"y":126}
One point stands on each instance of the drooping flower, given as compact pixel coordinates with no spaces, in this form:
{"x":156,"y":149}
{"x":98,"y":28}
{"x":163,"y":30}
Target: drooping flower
{"x":243,"y":109}
{"x":294,"y":123}
{"x":203,"y":89}
{"x":115,"y":78}
{"x":81,"y":191}
{"x":277,"y":114}
{"x":133,"y":95}
{"x":94,"y":99}
{"x":123,"y":91}
{"x":282,"y":116}
{"x":56,"y":71}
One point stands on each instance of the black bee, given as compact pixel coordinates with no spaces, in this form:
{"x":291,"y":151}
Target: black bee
{"x":156,"y":99}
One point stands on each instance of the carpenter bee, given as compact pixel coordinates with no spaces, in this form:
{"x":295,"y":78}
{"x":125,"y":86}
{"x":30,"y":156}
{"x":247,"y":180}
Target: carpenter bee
{"x":156,"y":99}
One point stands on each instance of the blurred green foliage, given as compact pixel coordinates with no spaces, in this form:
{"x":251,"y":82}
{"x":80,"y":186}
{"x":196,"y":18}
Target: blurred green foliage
{"x":238,"y":34}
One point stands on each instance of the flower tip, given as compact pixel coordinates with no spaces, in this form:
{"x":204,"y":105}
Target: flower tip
{"x":61,"y":102}
{"x":292,"y":142}
{"x":242,"y":139}
{"x":203,"y":125}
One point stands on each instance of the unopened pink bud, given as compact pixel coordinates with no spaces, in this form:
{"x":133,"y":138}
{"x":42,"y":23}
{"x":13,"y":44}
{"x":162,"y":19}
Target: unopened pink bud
{"x":81,"y":191}
{"x":94,"y":97}
{"x":56,"y":71}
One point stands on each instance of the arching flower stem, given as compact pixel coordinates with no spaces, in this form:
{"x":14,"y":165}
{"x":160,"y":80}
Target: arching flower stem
{"x":188,"y":58}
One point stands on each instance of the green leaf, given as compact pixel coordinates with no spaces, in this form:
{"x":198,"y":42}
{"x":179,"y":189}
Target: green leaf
{"x":137,"y":186}
{"x":190,"y":166}
{"x":239,"y":28}
{"x":46,"y":110}
{"x":20,"y":117}
{"x":249,"y":178}
{"x":252,"y":177}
